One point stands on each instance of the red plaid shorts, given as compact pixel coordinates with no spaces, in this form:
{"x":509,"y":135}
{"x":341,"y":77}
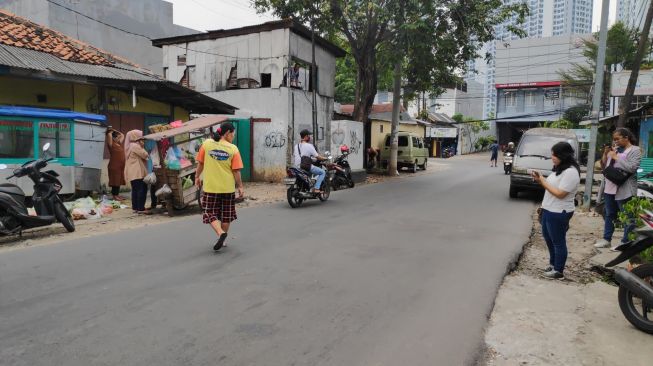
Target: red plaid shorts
{"x":218,"y":207}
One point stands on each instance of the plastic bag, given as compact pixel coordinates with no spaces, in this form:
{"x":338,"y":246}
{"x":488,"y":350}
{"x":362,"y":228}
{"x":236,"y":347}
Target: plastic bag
{"x":150,"y":179}
{"x":84,"y":203}
{"x":176,"y":124}
{"x":106,"y":210}
{"x":172,"y":161}
{"x":187,"y":183}
{"x":163,"y":191}
{"x":86,"y":213}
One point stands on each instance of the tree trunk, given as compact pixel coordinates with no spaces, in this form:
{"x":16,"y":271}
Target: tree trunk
{"x":624,"y":106}
{"x":396,"y":108}
{"x":366,"y":61}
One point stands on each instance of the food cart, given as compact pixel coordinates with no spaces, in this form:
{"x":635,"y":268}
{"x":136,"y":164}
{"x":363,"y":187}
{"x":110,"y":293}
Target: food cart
{"x":77,"y":141}
{"x":196,"y":129}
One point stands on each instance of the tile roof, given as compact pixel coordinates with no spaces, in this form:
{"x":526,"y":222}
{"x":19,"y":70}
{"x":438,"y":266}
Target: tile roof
{"x":22,"y":33}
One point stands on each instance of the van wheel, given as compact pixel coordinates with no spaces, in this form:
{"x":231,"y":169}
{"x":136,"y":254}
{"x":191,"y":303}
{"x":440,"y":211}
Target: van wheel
{"x":414,"y":167}
{"x":423,"y":166}
{"x":513,"y":192}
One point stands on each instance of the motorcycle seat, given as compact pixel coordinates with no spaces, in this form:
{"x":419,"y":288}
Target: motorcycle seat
{"x":11,"y":189}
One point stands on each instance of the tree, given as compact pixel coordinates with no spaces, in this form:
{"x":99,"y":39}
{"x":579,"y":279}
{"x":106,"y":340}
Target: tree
{"x":621,"y":48}
{"x":624,"y":106}
{"x":433,"y":40}
{"x":577,"y":113}
{"x":459,"y":27}
{"x":470,"y":127}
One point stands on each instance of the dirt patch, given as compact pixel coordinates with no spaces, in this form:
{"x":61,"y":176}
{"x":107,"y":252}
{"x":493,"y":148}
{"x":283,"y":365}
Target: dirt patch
{"x":584,"y":230}
{"x":536,"y":321}
{"x":256,"y":194}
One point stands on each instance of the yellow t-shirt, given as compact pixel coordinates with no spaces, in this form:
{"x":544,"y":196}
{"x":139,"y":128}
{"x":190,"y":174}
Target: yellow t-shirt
{"x":220,"y":159}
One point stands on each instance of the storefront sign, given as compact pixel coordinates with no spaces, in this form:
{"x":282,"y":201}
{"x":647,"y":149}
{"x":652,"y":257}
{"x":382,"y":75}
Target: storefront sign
{"x":552,"y":94}
{"x":15,"y":126}
{"x":644,"y":84}
{"x":54,"y":126}
{"x":438,"y":132}
{"x":534,"y":84}
{"x":583,"y":135}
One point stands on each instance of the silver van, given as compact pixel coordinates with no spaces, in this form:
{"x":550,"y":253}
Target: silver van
{"x":534,"y":153}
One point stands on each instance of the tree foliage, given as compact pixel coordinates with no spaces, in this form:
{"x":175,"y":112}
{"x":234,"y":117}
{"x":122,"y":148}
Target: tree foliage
{"x":621,"y":48}
{"x":433,"y":38}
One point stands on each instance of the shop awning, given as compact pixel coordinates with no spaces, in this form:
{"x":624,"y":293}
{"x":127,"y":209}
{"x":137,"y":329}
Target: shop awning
{"x":50,"y":113}
{"x":190,"y":126}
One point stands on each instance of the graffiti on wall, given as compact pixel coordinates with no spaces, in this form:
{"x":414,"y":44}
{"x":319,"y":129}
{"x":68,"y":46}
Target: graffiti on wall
{"x":338,"y":137}
{"x":275,"y":140}
{"x":355,"y":143}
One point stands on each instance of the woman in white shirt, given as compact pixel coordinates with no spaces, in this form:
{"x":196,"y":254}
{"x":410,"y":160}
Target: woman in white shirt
{"x":558,"y":205}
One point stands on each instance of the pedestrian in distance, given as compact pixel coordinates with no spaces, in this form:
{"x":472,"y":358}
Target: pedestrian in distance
{"x":114,"y":141}
{"x":220,"y":163}
{"x":624,"y":155}
{"x":558,"y":205}
{"x":136,"y":169}
{"x":494,"y":148}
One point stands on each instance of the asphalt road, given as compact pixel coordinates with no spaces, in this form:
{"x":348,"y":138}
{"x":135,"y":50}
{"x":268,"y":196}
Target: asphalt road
{"x":399,"y":273}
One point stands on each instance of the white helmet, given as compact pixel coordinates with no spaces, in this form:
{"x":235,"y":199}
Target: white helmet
{"x":511,"y":144}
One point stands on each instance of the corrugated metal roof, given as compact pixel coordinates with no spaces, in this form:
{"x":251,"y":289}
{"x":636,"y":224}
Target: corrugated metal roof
{"x":41,"y":61}
{"x":8,"y":59}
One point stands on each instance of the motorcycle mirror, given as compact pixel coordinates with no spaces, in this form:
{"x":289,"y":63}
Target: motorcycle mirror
{"x":3,"y":166}
{"x":46,"y":147}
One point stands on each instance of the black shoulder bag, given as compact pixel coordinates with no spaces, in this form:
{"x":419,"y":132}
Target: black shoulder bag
{"x":306,"y":162}
{"x":616,"y":175}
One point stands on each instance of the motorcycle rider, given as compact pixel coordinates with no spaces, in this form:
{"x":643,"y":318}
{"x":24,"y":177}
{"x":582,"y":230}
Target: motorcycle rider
{"x":305,"y":148}
{"x":510,"y":148}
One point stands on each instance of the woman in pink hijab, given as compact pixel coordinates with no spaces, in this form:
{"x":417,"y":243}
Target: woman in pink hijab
{"x":136,"y":169}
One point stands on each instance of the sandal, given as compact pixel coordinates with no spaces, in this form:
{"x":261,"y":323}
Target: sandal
{"x":220,"y":243}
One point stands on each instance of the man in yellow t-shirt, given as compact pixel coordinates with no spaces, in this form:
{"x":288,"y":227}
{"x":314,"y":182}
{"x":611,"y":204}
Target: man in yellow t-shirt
{"x":221,"y":163}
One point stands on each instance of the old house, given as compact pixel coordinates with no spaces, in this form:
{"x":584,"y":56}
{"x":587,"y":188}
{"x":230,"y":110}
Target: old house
{"x":264,"y":71}
{"x":43,"y":71}
{"x":380,"y":123}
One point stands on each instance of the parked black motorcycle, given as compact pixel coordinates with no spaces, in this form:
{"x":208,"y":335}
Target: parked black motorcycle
{"x":300,"y":184}
{"x":342,"y":171}
{"x":49,"y":207}
{"x":636,"y":287}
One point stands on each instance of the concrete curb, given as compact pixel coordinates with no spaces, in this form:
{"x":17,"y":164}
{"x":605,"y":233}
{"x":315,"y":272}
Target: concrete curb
{"x":482,"y":355}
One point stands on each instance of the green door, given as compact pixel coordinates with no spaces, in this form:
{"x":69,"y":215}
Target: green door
{"x":244,"y":142}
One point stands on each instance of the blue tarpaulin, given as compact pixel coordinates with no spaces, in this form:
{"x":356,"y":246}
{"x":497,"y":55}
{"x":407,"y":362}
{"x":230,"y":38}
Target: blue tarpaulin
{"x":50,"y":113}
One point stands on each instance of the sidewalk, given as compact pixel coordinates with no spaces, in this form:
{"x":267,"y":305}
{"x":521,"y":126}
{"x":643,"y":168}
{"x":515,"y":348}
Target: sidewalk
{"x":536,"y":321}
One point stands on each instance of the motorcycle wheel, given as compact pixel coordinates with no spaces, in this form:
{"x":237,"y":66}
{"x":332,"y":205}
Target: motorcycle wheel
{"x":293,"y":200}
{"x":638,"y":312}
{"x":326,"y":192}
{"x":63,"y":216}
{"x":350,"y":182}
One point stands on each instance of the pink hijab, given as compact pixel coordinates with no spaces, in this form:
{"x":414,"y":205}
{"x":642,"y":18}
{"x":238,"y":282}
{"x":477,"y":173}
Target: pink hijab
{"x":131,"y":140}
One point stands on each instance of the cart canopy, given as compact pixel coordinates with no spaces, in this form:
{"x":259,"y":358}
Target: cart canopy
{"x":190,"y":126}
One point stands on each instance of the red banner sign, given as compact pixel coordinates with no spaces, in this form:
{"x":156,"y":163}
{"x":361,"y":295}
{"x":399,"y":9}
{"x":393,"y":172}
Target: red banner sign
{"x":534,"y":84}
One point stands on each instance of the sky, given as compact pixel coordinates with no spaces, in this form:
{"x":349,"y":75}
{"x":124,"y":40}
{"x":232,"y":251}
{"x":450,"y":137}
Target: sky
{"x":225,"y":14}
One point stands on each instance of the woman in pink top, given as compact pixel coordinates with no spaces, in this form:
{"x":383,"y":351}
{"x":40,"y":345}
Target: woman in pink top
{"x":626,"y":156}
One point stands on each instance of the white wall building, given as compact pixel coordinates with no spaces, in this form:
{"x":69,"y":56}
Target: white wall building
{"x":249,"y":68}
{"x":528,"y":83}
{"x":632,"y":12}
{"x":548,"y":18}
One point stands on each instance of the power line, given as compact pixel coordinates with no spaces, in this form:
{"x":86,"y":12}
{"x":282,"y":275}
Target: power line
{"x":151,"y":39}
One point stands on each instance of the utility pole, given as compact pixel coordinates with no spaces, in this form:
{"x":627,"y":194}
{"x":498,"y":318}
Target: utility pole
{"x":314,"y":80}
{"x":624,"y":106}
{"x":596,"y":104}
